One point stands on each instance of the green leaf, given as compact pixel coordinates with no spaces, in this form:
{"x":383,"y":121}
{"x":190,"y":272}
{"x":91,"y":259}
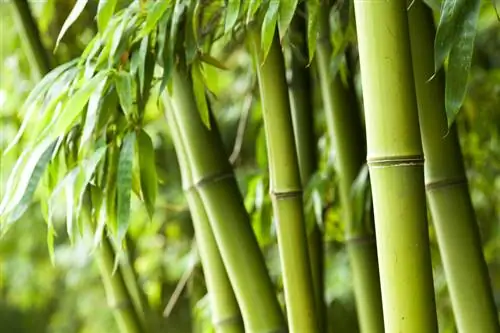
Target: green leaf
{"x":124,"y":184}
{"x":75,"y":105}
{"x":269,"y":28}
{"x":28,"y":183}
{"x":286,"y":13}
{"x":207,"y":58}
{"x":313,"y":8}
{"x":199,"y":93}
{"x":72,"y":17}
{"x":232,"y":12}
{"x":117,"y":37}
{"x":123,"y":83}
{"x":147,"y":166}
{"x":455,"y":36}
{"x":359,"y":191}
{"x":252,"y":10}
{"x":154,"y":15}
{"x":105,"y":10}
{"x":92,"y":110}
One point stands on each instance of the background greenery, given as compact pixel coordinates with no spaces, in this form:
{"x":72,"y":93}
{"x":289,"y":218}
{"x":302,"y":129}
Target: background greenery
{"x":37,"y":296}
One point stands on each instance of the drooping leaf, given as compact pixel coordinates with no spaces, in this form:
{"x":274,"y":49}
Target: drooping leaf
{"x":359,"y":190}
{"x":123,"y":84}
{"x":459,"y":57}
{"x":124,"y":184}
{"x":199,"y":93}
{"x":286,"y":13}
{"x":112,"y":160}
{"x":92,"y":110}
{"x":105,"y":10}
{"x":75,"y":105}
{"x":313,"y":8}
{"x":269,"y":28}
{"x":207,"y":58}
{"x":154,"y":15}
{"x":147,"y":165}
{"x":232,"y":12}
{"x":252,"y":10}
{"x":28,"y":183}
{"x":117,"y":36}
{"x":72,"y":17}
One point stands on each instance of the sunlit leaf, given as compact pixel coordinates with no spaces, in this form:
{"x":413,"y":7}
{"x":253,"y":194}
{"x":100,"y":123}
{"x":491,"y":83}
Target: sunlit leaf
{"x":28,"y":181}
{"x":207,"y":58}
{"x":147,"y":165}
{"x":124,"y":184}
{"x":252,"y":10}
{"x":286,"y":13}
{"x":154,"y":15}
{"x":358,"y":194}
{"x":269,"y":28}
{"x":72,"y":17}
{"x":92,"y":110}
{"x":199,"y":93}
{"x":75,"y":105}
{"x":123,"y":83}
{"x":232,"y":12}
{"x":105,"y":10}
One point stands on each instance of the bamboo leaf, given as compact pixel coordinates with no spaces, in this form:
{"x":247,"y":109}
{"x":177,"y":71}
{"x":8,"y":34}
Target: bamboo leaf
{"x":286,"y":12}
{"x":232,"y":12}
{"x":252,"y":10}
{"x":105,"y":10}
{"x":199,"y":93}
{"x":124,"y":186}
{"x":207,"y":58}
{"x":313,"y":8}
{"x":72,"y":17}
{"x":92,"y":110}
{"x":459,"y":63}
{"x":123,"y":83}
{"x":148,"y":176}
{"x":69,"y":210}
{"x":75,"y":105}
{"x":154,"y":15}
{"x":359,"y":190}
{"x":28,"y":183}
{"x":269,"y":28}
{"x":117,"y":36}
{"x":457,"y":19}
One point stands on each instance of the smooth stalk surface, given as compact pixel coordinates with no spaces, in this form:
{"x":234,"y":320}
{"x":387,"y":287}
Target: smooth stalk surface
{"x":447,"y":192}
{"x":214,"y":179}
{"x":395,"y":161}
{"x":346,"y":134}
{"x":286,"y":190}
{"x":301,"y":103}
{"x":226,"y":317}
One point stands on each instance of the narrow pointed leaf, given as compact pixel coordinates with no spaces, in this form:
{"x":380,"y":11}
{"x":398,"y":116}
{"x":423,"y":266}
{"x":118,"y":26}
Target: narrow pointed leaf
{"x":147,"y":166}
{"x":232,"y":12}
{"x":199,"y":93}
{"x":123,"y":83}
{"x":154,"y":15}
{"x":72,"y":17}
{"x":286,"y":12}
{"x":105,"y":10}
{"x":207,"y":58}
{"x":124,"y":184}
{"x":313,"y":8}
{"x":252,"y":9}
{"x":92,"y":113}
{"x":269,"y":28}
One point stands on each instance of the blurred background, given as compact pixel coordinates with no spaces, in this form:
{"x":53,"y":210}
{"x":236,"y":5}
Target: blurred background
{"x":37,"y":296}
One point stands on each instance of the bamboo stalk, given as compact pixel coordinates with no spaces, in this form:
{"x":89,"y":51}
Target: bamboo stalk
{"x":128,"y":320}
{"x":447,"y":192}
{"x":346,"y":134}
{"x":286,"y":189}
{"x":214,"y":180}
{"x":31,"y":35}
{"x":395,"y":161}
{"x":301,"y":103}
{"x":226,"y":316}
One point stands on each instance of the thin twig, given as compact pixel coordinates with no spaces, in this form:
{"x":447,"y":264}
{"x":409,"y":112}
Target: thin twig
{"x":238,"y":143}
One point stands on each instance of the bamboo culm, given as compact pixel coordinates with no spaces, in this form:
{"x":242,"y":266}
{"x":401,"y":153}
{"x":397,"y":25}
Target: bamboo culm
{"x":457,"y":232}
{"x":395,"y":160}
{"x":226,"y":317}
{"x":214,"y":180}
{"x":346,"y":134}
{"x":286,"y":189}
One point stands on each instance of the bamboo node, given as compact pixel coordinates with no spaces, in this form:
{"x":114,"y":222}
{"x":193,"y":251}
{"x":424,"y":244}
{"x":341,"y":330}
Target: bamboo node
{"x":228,"y":321}
{"x":445,"y":183}
{"x":284,"y":195}
{"x":217,"y":177}
{"x":396,"y":161}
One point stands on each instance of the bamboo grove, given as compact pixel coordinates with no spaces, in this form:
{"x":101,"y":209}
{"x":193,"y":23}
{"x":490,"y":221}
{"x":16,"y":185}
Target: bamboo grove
{"x":395,"y":146}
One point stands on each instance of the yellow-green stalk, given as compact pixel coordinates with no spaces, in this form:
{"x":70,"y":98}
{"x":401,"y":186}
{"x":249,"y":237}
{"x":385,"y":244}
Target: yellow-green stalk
{"x":396,"y":164}
{"x":447,"y":192}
